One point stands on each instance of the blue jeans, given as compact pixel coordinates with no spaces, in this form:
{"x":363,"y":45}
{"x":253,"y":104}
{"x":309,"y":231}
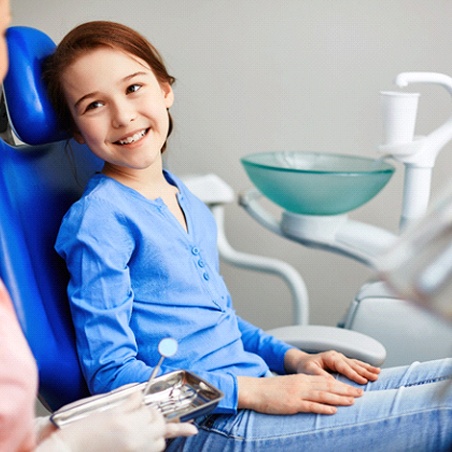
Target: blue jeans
{"x":406,"y":409}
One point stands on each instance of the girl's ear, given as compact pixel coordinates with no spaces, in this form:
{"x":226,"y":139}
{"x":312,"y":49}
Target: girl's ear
{"x":168,"y":94}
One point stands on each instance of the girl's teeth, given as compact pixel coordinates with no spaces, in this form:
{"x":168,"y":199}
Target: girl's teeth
{"x":133,"y":138}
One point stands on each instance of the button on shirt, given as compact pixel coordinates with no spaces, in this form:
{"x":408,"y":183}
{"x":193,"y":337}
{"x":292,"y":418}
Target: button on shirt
{"x":137,"y":276}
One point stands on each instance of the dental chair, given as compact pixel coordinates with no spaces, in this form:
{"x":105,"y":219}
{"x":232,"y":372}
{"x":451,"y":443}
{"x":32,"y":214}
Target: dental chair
{"x":38,"y":183}
{"x":42,"y":173}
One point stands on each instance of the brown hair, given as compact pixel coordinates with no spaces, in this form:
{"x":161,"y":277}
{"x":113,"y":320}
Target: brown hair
{"x":90,"y":36}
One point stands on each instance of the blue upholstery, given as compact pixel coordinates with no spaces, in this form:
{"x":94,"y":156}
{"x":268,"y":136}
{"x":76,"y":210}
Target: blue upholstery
{"x":31,"y":113}
{"x":38,"y":183}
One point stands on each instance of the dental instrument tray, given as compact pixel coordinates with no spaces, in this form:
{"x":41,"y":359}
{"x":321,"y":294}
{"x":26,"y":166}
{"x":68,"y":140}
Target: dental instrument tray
{"x":179,"y":396}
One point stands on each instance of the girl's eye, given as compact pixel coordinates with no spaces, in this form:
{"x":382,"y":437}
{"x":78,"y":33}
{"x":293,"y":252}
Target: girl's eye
{"x":94,"y":105}
{"x":133,"y":88}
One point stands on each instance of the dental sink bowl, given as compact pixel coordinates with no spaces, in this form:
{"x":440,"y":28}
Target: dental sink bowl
{"x":312,"y":183}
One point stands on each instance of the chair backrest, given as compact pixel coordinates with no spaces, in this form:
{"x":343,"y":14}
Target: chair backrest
{"x":38,"y":183}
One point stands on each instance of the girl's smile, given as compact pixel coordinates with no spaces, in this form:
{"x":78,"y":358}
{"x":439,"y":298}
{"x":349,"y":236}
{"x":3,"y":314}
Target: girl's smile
{"x":118,"y":106}
{"x":134,"y":138}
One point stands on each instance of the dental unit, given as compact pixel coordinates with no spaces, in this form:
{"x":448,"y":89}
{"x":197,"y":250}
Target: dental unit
{"x":316,"y":191}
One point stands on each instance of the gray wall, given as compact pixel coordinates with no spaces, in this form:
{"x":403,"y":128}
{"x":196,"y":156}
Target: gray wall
{"x":258,"y":75}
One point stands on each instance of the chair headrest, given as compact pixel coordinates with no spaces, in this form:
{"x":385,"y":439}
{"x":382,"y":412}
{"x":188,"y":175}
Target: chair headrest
{"x":32,"y":117}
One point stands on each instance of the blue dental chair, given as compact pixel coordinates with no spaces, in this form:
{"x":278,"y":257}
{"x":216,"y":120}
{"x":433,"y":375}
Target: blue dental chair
{"x":39,"y":181}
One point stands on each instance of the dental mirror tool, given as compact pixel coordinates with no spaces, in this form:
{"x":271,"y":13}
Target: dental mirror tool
{"x":167,"y":348}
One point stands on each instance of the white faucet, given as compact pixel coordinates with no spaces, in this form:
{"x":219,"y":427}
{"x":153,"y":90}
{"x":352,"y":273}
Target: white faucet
{"x":432,"y":144}
{"x":420,"y":155}
{"x":405,"y":78}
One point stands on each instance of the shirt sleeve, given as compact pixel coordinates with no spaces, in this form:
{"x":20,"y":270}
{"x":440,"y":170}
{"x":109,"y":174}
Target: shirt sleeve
{"x":270,"y":349}
{"x":101,"y":295}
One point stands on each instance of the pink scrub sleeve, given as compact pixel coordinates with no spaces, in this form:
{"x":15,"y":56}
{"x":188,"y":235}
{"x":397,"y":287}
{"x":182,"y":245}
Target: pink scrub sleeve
{"x":18,"y":382}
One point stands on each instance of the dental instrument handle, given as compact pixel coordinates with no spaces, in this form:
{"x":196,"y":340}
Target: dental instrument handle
{"x":167,"y":347}
{"x":152,"y":377}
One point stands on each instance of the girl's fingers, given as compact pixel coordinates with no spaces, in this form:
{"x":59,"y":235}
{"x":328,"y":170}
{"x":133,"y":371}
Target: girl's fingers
{"x":356,"y":370}
{"x":365,"y":371}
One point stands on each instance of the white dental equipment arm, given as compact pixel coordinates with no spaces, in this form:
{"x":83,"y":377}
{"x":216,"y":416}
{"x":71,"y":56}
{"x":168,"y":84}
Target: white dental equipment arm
{"x":420,"y":155}
{"x":337,"y":233}
{"x":418,"y":266}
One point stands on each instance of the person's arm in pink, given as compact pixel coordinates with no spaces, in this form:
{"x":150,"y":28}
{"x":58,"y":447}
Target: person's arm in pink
{"x":18,"y":382}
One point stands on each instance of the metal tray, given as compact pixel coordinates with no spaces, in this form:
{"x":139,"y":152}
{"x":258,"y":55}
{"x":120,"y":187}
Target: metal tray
{"x":179,"y":396}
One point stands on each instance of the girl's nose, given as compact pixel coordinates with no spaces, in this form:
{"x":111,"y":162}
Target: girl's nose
{"x":122,"y":114}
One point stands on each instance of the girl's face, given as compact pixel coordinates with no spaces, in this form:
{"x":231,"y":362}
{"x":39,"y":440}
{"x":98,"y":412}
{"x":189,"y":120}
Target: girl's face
{"x":119,"y":107}
{"x":5,"y":19}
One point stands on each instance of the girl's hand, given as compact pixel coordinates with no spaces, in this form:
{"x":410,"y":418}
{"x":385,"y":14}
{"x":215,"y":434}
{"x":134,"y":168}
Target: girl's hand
{"x":311,"y":388}
{"x":360,"y":372}
{"x":297,"y":393}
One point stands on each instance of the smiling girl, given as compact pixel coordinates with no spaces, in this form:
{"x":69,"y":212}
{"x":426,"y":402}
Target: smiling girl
{"x":141,"y":252}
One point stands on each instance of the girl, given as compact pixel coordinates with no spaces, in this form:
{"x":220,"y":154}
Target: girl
{"x":141,"y":251}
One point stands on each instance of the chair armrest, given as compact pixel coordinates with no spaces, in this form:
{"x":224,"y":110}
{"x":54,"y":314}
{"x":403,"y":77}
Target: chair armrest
{"x":314,"y":339}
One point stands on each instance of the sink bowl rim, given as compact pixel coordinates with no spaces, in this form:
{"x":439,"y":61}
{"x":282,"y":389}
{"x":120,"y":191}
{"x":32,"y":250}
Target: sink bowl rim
{"x":384,"y":166}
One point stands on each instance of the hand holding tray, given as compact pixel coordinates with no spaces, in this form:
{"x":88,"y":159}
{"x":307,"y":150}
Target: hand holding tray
{"x":180,"y":396}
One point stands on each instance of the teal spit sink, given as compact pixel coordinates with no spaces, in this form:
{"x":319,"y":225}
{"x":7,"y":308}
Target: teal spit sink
{"x":312,"y":183}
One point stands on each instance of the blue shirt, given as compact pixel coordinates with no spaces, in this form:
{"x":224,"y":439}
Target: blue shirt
{"x":137,"y":276}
